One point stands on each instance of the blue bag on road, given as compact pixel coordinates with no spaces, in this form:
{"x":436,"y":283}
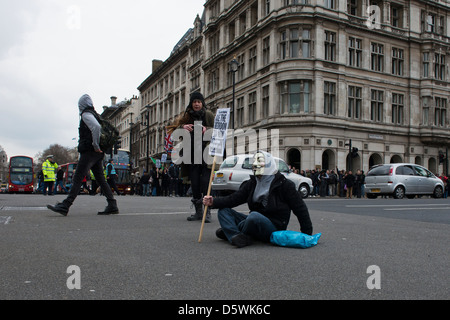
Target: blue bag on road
{"x":294,"y":239}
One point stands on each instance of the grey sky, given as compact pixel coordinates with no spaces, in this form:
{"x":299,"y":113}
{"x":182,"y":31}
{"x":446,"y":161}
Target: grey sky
{"x":54,"y":51}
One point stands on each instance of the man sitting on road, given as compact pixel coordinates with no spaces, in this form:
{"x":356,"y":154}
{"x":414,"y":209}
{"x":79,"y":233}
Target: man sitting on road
{"x":270,"y":197}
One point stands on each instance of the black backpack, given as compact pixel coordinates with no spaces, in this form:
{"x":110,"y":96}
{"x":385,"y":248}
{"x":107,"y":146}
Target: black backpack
{"x":109,"y":134}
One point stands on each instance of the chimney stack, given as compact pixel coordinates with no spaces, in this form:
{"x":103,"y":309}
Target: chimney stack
{"x":156,"y":64}
{"x":113,"y":101}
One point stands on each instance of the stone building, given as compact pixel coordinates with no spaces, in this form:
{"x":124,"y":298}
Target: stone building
{"x":124,"y":115}
{"x":330,"y":76}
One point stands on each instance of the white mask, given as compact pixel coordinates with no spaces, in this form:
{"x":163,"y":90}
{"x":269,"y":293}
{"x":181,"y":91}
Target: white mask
{"x":259,"y":163}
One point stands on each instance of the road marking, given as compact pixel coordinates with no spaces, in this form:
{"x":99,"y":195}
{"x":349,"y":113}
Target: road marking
{"x":152,"y":213}
{"x":5,"y":220}
{"x":393,"y":205}
{"x":404,"y":207}
{"x":23,"y":208}
{"x":423,"y":208}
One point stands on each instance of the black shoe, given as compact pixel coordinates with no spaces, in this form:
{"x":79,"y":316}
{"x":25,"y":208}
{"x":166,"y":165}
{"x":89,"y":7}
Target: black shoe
{"x":194,"y":217}
{"x":59,"y":208}
{"x":221,"y":234}
{"x":197,"y":203}
{"x":241,"y":240}
{"x":208,"y":215}
{"x":111,"y":208}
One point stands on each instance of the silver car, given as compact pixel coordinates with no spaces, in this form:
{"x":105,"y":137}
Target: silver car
{"x":236,"y":169}
{"x":402,"y":179}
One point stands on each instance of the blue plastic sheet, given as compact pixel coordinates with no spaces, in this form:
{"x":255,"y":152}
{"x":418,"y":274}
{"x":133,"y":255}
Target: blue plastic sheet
{"x":294,"y":239}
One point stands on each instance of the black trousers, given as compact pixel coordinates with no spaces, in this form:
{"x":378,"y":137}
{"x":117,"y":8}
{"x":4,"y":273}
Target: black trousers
{"x":89,"y":161}
{"x":199,"y":175}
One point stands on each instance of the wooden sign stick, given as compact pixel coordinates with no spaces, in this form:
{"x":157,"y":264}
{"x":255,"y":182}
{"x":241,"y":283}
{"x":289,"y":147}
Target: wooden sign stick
{"x":209,"y":193}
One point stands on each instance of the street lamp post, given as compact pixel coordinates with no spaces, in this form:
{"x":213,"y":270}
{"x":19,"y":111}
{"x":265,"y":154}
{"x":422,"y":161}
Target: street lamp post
{"x":148,"y":135}
{"x":234,"y":66}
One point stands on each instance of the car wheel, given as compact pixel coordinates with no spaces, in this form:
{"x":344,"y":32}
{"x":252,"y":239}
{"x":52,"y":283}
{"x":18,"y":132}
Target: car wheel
{"x":304,"y":191}
{"x":399,"y":193}
{"x":438,"y":192}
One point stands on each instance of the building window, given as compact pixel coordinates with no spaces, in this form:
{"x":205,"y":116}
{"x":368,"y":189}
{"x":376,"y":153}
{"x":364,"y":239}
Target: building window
{"x":426,"y":110}
{"x":265,"y":102}
{"x":354,"y":102}
{"x":426,"y":64}
{"x":252,"y":107}
{"x":213,"y":84}
{"x":267,"y":7}
{"x":266,"y":51}
{"x":377,"y":57}
{"x":354,"y":7}
{"x":215,"y":9}
{"x":397,"y":61}
{"x":329,"y":105}
{"x":252,"y":61}
{"x":396,"y":16}
{"x":295,"y":42}
{"x":231,"y":32}
{"x":440,"y":112}
{"x":294,"y":2}
{"x":214,"y":43}
{"x":243,"y":23}
{"x":377,"y":105}
{"x":430,"y":22}
{"x":330,"y":46}
{"x":306,"y":43}
{"x":439,"y":66}
{"x":397,"y":108}
{"x":241,"y":68}
{"x":330,"y":4}
{"x":195,"y":80}
{"x":295,"y":96}
{"x":355,"y":52}
{"x":240,"y":112}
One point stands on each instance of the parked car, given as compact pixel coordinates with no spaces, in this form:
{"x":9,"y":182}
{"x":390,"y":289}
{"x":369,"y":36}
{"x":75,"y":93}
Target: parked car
{"x":402,"y":179}
{"x":236,"y":169}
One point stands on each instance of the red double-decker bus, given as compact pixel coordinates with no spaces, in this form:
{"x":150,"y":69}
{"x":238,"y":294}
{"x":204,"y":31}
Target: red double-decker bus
{"x":21,"y":175}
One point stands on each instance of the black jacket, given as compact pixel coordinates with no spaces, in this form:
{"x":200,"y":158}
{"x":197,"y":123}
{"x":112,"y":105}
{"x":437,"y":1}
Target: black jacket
{"x":85,"y":142}
{"x":283,"y":198}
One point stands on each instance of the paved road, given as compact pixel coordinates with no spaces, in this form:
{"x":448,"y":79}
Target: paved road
{"x":150,"y":251}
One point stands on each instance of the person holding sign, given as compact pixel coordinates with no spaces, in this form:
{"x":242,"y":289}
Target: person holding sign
{"x":198,"y":172}
{"x":270,"y":197}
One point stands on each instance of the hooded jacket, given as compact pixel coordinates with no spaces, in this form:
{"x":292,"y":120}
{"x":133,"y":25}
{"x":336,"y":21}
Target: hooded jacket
{"x":90,"y":128}
{"x":283,"y":198}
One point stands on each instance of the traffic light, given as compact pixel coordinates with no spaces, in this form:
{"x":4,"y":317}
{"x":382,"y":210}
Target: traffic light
{"x":355,"y":152}
{"x":441,"y":157}
{"x":118,"y":145}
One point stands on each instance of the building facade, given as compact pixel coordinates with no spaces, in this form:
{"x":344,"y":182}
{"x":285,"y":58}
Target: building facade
{"x":330,"y":77}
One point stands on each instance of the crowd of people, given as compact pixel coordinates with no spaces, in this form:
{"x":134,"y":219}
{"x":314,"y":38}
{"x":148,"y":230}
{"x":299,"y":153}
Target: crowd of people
{"x":164,"y":181}
{"x":339,"y":183}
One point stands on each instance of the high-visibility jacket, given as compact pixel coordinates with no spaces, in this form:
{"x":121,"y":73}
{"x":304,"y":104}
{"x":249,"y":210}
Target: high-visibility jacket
{"x":110,"y":169}
{"x":49,"y":171}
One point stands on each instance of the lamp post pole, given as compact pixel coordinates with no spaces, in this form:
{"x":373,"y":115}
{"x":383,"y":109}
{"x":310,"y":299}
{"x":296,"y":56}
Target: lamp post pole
{"x":148,"y":135}
{"x":234,"y":65}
